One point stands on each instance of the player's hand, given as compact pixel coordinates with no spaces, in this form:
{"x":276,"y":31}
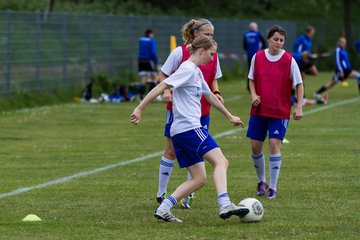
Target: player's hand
{"x":135,"y":116}
{"x":305,"y":56}
{"x":236,"y":121}
{"x":255,"y":100}
{"x":167,"y":96}
{"x":297,"y":113}
{"x":342,"y":75}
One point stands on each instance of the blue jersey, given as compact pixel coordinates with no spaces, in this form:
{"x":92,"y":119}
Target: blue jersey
{"x":253,"y":42}
{"x":147,"y":49}
{"x":302,"y":43}
{"x":341,"y":60}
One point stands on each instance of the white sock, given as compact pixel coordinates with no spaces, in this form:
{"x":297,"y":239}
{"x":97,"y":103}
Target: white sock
{"x":189,"y":178}
{"x":259,"y":164}
{"x":274,"y":169}
{"x":165,"y":170}
{"x":223,"y":200}
{"x":168,"y":203}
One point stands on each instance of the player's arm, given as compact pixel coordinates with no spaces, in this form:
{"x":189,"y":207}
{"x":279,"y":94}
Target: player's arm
{"x":298,"y":113}
{"x":216,"y":91}
{"x":214,"y":101}
{"x":295,"y":76}
{"x":167,"y":92}
{"x":255,"y":99}
{"x":135,"y":117}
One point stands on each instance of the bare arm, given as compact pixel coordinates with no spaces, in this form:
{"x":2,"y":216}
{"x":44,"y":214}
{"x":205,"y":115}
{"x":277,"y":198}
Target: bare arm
{"x":214,"y":101}
{"x":298,"y":113}
{"x":167,"y":92}
{"x":135,"y":117}
{"x":215,"y":89}
{"x":255,"y":99}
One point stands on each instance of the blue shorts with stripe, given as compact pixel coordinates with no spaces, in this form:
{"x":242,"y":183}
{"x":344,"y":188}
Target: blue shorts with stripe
{"x":192,"y":145}
{"x":259,"y":127}
{"x":204,"y":120}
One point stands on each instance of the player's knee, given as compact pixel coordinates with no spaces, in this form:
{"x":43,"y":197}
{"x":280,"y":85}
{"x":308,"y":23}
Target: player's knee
{"x":201,"y":181}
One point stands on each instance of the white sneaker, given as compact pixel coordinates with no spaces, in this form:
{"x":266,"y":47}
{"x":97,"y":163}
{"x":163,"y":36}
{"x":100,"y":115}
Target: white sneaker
{"x":232,"y":209}
{"x":317,"y":96}
{"x":165,"y":215}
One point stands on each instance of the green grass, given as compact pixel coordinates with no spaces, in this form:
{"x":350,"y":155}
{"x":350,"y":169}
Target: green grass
{"x":318,"y":186}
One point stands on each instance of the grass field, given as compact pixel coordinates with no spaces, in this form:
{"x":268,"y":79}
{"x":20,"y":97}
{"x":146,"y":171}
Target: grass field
{"x":89,"y":174}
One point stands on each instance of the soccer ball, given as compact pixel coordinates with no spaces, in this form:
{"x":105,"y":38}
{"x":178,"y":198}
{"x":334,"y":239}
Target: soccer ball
{"x":256,"y":210}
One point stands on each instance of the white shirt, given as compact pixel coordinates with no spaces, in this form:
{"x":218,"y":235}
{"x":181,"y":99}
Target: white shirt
{"x":188,"y":86}
{"x":295,"y":74}
{"x":174,"y":59}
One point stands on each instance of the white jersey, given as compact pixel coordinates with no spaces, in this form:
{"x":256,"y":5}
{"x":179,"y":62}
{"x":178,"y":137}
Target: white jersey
{"x":188,"y":86}
{"x":174,"y":60}
{"x":295,"y":74}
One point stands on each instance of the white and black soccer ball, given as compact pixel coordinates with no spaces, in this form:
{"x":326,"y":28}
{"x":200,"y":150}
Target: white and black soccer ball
{"x":256,"y":210}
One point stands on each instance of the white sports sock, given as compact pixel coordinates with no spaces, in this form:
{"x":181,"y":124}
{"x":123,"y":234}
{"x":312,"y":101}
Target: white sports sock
{"x":223,"y":200}
{"x":274,"y":169}
{"x":168,"y":203}
{"x":165,"y":170}
{"x":259,"y":164}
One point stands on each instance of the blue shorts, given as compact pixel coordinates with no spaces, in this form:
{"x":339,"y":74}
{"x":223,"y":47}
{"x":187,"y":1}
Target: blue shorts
{"x":204,"y":120}
{"x":192,"y":145}
{"x":258,"y":128}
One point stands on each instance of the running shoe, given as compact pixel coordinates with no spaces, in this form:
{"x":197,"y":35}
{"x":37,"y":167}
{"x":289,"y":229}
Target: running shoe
{"x":232,"y":209}
{"x":161,"y":198}
{"x":261,"y":187}
{"x":187,"y":201}
{"x":165,"y":215}
{"x":271,"y":194}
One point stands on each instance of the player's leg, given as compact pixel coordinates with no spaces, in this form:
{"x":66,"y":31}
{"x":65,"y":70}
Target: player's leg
{"x":312,"y":70}
{"x":164,"y":210}
{"x":336,"y":78}
{"x":277,"y":131}
{"x":257,"y":131}
{"x":220,"y":164}
{"x":356,"y":75}
{"x":188,"y":200}
{"x":166,"y":161}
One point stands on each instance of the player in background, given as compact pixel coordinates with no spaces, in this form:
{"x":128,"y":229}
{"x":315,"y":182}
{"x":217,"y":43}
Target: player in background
{"x":147,"y":60}
{"x":193,"y":143}
{"x":273,"y":74}
{"x":343,"y":68}
{"x":253,"y":41}
{"x":302,"y":50}
{"x":211,"y":72}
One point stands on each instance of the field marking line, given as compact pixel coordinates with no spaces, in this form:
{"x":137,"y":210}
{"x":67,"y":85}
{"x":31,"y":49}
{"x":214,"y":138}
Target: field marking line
{"x":157,"y":154}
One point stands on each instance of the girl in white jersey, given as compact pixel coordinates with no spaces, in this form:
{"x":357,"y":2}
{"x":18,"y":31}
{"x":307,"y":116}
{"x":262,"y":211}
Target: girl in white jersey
{"x":191,"y":141}
{"x":211,"y":72}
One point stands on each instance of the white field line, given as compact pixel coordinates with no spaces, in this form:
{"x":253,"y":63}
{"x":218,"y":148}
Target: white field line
{"x":157,"y":154}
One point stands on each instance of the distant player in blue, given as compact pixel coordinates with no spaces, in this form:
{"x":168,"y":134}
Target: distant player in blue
{"x":343,"y":68}
{"x":253,"y":42}
{"x":302,"y":50}
{"x":147,"y":58}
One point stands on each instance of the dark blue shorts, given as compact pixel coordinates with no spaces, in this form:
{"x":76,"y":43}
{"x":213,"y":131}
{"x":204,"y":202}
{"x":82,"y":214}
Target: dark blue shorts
{"x":259,"y":127}
{"x":204,"y":120}
{"x":191,"y":146}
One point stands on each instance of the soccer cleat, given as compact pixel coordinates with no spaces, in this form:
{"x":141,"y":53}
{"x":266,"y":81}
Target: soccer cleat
{"x":165,"y":215}
{"x":325,"y":98}
{"x":232,"y":209}
{"x":261,"y":187}
{"x":187,"y":201}
{"x":317,"y":95}
{"x":161,"y":198}
{"x":271,"y":194}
